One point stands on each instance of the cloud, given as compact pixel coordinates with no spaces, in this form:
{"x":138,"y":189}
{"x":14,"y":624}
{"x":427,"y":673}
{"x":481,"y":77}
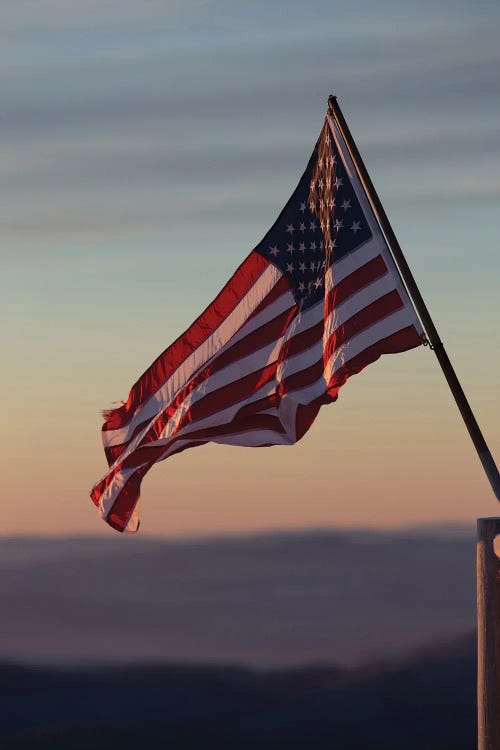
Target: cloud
{"x":104,"y":130}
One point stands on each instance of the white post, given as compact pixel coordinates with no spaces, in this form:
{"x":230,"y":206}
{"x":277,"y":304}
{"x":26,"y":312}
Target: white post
{"x":488,"y":635}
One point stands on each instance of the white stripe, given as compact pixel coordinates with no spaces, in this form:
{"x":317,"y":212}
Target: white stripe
{"x":254,"y":438}
{"x":249,"y":438}
{"x":287,"y":407}
{"x":299,"y":362}
{"x":253,"y":362}
{"x":339,"y":271}
{"x":393,"y":323}
{"x":133,"y":522}
{"x":270,"y":353}
{"x":359,"y":300}
{"x":212,"y":346}
{"x":221,"y":417}
{"x":388,"y":326}
{"x":112,"y":491}
{"x":342,"y":268}
{"x":339,"y":315}
{"x":370,"y":217}
{"x":259,"y":359}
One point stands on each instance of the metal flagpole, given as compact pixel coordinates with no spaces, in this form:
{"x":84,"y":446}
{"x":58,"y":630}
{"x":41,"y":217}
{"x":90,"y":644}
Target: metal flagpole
{"x":488,"y":635}
{"x":482,"y":449}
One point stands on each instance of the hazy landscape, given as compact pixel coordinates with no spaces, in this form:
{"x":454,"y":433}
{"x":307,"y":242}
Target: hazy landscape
{"x":266,"y":641}
{"x":266,"y":600}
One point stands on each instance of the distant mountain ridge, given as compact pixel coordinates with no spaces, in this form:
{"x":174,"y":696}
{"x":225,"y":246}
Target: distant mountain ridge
{"x":265,"y":600}
{"x":424,"y":702}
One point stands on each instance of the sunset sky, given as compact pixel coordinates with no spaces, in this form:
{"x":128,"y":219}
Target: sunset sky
{"x":146,"y":148}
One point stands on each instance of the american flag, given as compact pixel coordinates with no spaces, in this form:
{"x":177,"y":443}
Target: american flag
{"x":316,"y":301}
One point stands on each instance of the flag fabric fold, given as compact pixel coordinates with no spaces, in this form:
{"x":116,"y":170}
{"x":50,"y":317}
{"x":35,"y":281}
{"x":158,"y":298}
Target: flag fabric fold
{"x":316,"y":301}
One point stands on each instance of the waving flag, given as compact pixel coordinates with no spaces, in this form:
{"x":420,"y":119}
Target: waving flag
{"x":315,"y":302}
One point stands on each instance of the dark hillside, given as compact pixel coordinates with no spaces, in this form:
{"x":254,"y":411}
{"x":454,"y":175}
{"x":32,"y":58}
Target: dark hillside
{"x":426,"y":702}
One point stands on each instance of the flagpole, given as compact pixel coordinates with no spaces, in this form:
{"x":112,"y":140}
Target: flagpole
{"x":436,"y":344}
{"x":488,"y":635}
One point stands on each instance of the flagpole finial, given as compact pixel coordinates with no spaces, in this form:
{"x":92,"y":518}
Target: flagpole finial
{"x":332,"y":100}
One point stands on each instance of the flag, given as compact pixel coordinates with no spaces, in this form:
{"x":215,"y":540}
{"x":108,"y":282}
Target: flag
{"x":316,"y":301}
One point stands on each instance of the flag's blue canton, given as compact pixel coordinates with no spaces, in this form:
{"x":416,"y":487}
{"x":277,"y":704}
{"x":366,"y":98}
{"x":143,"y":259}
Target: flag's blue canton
{"x":296,"y":243}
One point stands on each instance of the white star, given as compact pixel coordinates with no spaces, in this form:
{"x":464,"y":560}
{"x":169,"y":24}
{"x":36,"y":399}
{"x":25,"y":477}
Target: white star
{"x":302,"y":267}
{"x":290,"y":228}
{"x":313,"y":266}
{"x":321,"y":183}
{"x":302,"y":247}
{"x":339,"y":224}
{"x":313,"y":246}
{"x":312,"y":226}
{"x":318,"y":283}
{"x":346,"y":205}
{"x":301,"y":287}
{"x":302,"y":207}
{"x":312,"y":185}
{"x":290,"y":248}
{"x":338,"y":182}
{"x":311,"y":205}
{"x":302,"y":227}
{"x":331,"y":203}
{"x":289,"y":267}
{"x":273,"y":251}
{"x":355,"y":226}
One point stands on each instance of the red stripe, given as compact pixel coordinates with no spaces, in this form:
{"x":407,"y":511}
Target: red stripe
{"x":222,"y":398}
{"x":402,"y":340}
{"x":246,"y":411}
{"x":233,"y":392}
{"x":351,"y":284}
{"x":125,"y":502}
{"x":407,"y":338}
{"x":371,"y":314}
{"x":236,"y":391}
{"x":280,"y":288}
{"x":163,"y":367}
{"x":122,"y":508}
{"x":260,"y":337}
{"x":362,"y":320}
{"x":248,"y":423}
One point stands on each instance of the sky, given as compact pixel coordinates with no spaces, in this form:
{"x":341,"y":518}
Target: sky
{"x":146,"y":148}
